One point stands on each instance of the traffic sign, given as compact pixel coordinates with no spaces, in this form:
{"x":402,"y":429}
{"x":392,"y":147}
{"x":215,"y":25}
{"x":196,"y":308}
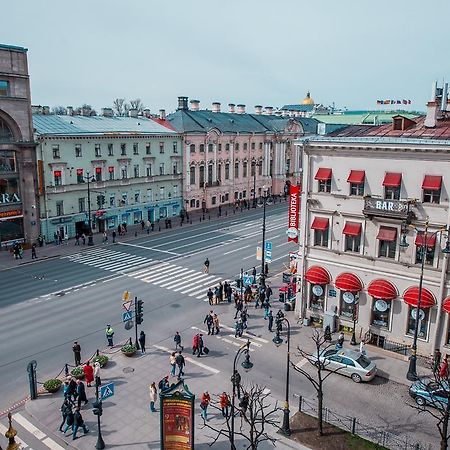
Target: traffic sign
{"x":107,"y":391}
{"x":268,"y":251}
{"x":247,"y":279}
{"x":129,"y":325}
{"x":127,"y":305}
{"x":126,"y":316}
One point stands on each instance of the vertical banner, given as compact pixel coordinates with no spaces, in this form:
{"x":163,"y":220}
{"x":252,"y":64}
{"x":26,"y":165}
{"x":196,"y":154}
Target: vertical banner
{"x":294,"y":209}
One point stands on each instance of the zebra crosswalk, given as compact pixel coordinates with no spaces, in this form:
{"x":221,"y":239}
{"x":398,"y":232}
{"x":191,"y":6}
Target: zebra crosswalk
{"x":193,"y":283}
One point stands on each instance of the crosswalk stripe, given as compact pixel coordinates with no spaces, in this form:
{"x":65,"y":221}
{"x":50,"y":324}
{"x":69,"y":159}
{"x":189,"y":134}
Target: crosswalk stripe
{"x":187,"y":275}
{"x":197,"y":278}
{"x":169,"y":275}
{"x":25,"y":423}
{"x":223,"y":338}
{"x":51,"y":444}
{"x":156,"y":274}
{"x":208,"y":283}
{"x":250,"y":336}
{"x":146,"y":271}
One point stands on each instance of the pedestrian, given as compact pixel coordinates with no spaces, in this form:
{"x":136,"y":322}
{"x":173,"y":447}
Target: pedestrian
{"x":210,"y":295}
{"x":436,"y":360}
{"x":142,"y":225}
{"x":341,"y":339}
{"x":142,"y":341}
{"x":269,"y":292}
{"x":33,"y":251}
{"x":77,"y":239}
{"x":195,"y":344}
{"x":109,"y":335}
{"x":248,"y":294}
{"x":209,"y":322}
{"x":40,"y":240}
{"x":83,"y":239}
{"x":216,"y":295}
{"x":81,"y":392}
{"x":124,"y":226}
{"x":327,"y":334}
{"x":206,"y":264}
{"x":443,"y":371}
{"x":229,"y":293}
{"x":225,"y":402}
{"x":254,"y":275}
{"x":220,"y":292}
{"x":72,"y":390}
{"x":66,"y":388}
{"x":88,"y":373}
{"x":362,"y":348}
{"x":66,"y":238}
{"x":244,"y":318}
{"x":105,"y":237}
{"x":270,"y":318}
{"x":164,"y":383}
{"x":76,"y":348}
{"x":177,"y":340}
{"x":200,"y":345}
{"x":266,"y":306}
{"x":113,"y":234}
{"x":65,"y":407}
{"x":77,"y":423}
{"x":204,"y":405}
{"x":97,"y":374}
{"x":239,"y":306}
{"x":179,"y":359}
{"x":69,"y":420}
{"x":153,"y":394}
{"x":216,"y":326}
{"x":236,"y":381}
{"x":173,"y":363}
{"x":60,"y":237}
{"x":238,"y":328}
{"x":119,"y":229}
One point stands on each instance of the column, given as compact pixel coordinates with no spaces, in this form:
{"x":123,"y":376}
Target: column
{"x":214,"y":177}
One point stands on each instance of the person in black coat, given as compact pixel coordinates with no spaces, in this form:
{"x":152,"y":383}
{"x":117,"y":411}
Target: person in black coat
{"x":66,"y":407}
{"x":77,"y":423}
{"x":69,"y":420}
{"x":72,"y":390}
{"x":142,"y":341}
{"x":81,"y":391}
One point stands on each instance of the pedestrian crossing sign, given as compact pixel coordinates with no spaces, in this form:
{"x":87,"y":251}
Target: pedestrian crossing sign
{"x":107,"y":391}
{"x":127,"y":315}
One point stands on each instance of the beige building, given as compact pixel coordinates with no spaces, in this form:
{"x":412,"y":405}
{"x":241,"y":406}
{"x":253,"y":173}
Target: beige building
{"x":366,"y":193}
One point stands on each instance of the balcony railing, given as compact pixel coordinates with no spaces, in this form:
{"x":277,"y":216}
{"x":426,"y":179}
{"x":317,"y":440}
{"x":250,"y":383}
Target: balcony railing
{"x":397,"y":209}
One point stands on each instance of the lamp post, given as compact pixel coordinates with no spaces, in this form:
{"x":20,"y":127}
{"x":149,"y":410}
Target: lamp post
{"x":242,"y":284}
{"x":355,"y":318}
{"x":247,"y":365}
{"x":89,"y":178}
{"x":263,"y":247}
{"x":254,"y":166}
{"x":98,"y":411}
{"x":277,"y":340}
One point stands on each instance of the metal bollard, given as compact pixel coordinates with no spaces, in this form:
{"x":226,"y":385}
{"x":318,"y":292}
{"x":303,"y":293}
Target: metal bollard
{"x":353,"y":425}
{"x":66,"y":370}
{"x":300,"y":398}
{"x":98,"y":352}
{"x":31,"y":369}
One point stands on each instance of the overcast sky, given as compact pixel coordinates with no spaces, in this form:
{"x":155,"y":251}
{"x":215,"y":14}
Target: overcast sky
{"x":350,"y":52}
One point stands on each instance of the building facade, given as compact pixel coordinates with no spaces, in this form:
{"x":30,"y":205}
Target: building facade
{"x":374,"y":205}
{"x":19,"y":207}
{"x":234,"y":156}
{"x":133,"y":164}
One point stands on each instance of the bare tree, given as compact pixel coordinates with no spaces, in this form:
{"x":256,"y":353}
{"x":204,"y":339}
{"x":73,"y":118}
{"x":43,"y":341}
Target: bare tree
{"x":432,"y":396}
{"x":119,"y":106}
{"x":137,"y":104}
{"x":320,"y":373}
{"x":59,"y":110}
{"x":254,"y":419}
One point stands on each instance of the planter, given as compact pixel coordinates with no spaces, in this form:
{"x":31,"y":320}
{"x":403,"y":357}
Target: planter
{"x":129,"y":350}
{"x":129,"y":354}
{"x":102,"y":359}
{"x":77,"y":373}
{"x":52,"y":385}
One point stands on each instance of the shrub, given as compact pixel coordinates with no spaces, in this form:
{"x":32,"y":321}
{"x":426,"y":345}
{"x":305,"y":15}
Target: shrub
{"x":77,"y":372}
{"x":102,"y":359}
{"x":52,"y":385}
{"x":129,"y":348}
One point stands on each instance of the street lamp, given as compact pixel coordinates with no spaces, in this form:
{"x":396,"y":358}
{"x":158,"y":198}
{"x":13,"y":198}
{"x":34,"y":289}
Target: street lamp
{"x":277,"y":340}
{"x":266,"y":200}
{"x":89,"y":178}
{"x":412,"y":369}
{"x":254,"y":166}
{"x":355,"y":318}
{"x":98,"y":411}
{"x":246,"y":365}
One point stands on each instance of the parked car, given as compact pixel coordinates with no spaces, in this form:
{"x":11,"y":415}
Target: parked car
{"x":427,"y":391}
{"x":349,"y":363}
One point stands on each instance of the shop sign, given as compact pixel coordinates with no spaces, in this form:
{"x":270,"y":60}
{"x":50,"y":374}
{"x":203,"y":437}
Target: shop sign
{"x":317,"y":290}
{"x":381,"y":305}
{"x":421,"y":314}
{"x":386,"y":208}
{"x":332,"y":293}
{"x":294,"y":204}
{"x":11,"y":213}
{"x":6,"y":198}
{"x":348,"y":297}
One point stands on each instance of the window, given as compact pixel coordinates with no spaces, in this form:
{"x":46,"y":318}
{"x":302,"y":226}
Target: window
{"x":271,"y":170}
{"x":192,"y":203}
{"x":321,"y":230}
{"x":346,"y":304}
{"x":236,"y":170}
{"x":253,"y":146}
{"x":110,"y":149}
{"x":201,"y":181}
{"x":124,"y":172}
{"x":392,"y":193}
{"x":381,"y":313}
{"x":80,"y":178}
{"x":57,"y":177}
{"x":432,"y":189}
{"x":112,"y":200}
{"x":260,"y":145}
{"x":227,"y":197}
{"x":356,"y":180}
{"x":424,"y":316}
{"x":316,"y":297}
{"x":149,"y":195}
{"x":245,"y":146}
{"x":210,"y":174}
{"x":236,"y":146}
{"x":202,"y":148}
{"x":213,"y":200}
{"x":427,"y":250}
{"x":123,"y":149}
{"x":7,"y":157}
{"x":175,"y":146}
{"x":253,"y":168}
{"x":111,"y":172}
{"x":81,"y":205}
{"x":323,"y":177}
{"x":210,"y":148}
{"x":162,"y":169}
{"x":352,"y":233}
{"x":162,"y":194}
{"x":244,"y":169}
{"x":244,"y":194}
{"x":227,"y":147}
{"x":137,"y":197}
{"x":4,"y":88}
{"x":227,"y":171}
{"x":124,"y":198}
{"x":387,"y":237}
{"x":148,"y":170}
{"x":136,"y":170}
{"x":431,"y":196}
{"x":148,"y":148}
{"x":60,"y":208}
{"x":357,"y":189}
{"x":135,"y":148}
{"x":260,"y":167}
{"x":175,"y":168}
{"x":236,"y":195}
{"x":192,"y":175}
{"x":161,"y":147}
{"x":219,"y":147}
{"x":78,"y":152}
{"x":98,"y":150}
{"x":175,"y":190}
{"x":192,"y":148}
{"x":55,"y":149}
{"x":219,"y":172}
{"x":98,"y":174}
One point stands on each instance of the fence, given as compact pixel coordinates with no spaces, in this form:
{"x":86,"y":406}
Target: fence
{"x":351,"y":424}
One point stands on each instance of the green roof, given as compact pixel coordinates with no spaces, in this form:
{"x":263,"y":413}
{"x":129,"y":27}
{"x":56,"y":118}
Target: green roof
{"x":363,"y":117}
{"x":13,"y":47}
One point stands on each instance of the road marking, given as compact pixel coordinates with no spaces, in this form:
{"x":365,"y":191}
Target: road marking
{"x":191,"y":360}
{"x":248,"y":257}
{"x":302,"y":362}
{"x":50,"y":443}
{"x":250,"y":336}
{"x":187,"y":274}
{"x":225,"y":339}
{"x":197,"y":278}
{"x":236,"y":249}
{"x":25,"y":423}
{"x":4,"y":429}
{"x":150,"y":248}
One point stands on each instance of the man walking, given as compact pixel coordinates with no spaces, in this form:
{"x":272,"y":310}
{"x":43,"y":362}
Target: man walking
{"x":200,"y":345}
{"x":113,"y":234}
{"x":177,"y":340}
{"x":142,"y":341}
{"x":209,"y":322}
{"x":179,"y":359}
{"x":81,"y":391}
{"x":210,"y":296}
{"x":76,"y":348}
{"x":109,"y":335}
{"x":77,"y":423}
{"x":270,"y":318}
{"x":33,"y":251}
{"x":206,"y":269}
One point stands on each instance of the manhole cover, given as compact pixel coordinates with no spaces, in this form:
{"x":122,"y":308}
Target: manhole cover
{"x":175,"y":305}
{"x":60,"y":294}
{"x":128,"y":370}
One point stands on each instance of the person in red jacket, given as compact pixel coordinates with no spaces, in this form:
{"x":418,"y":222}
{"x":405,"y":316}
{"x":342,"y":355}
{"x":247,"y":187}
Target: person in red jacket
{"x":88,"y":373}
{"x":224,"y":403}
{"x":195,"y":345}
{"x":443,"y":371}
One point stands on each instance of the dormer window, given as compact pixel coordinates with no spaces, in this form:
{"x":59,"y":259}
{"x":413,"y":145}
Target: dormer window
{"x":401,"y":123}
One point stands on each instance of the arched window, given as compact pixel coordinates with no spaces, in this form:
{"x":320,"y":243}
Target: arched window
{"x":6,"y":134}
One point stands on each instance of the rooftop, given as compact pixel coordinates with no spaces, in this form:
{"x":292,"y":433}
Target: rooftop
{"x":363,"y":117}
{"x":13,"y":47}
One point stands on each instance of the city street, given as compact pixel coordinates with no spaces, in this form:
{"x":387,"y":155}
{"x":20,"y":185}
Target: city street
{"x":49,"y":304}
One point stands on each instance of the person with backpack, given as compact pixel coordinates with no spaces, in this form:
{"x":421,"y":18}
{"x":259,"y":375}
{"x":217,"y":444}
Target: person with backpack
{"x":180,"y":362}
{"x":77,"y":423}
{"x":164,"y":383}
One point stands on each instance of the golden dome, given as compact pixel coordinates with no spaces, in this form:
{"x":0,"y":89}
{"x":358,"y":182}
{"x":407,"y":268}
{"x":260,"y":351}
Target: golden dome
{"x":308,"y":100}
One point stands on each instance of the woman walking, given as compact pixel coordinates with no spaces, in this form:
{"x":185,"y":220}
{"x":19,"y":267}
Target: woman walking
{"x":153,"y":393}
{"x":173,"y":363}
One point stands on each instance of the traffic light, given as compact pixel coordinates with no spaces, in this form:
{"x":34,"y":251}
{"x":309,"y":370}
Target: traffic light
{"x":97,"y":408}
{"x":100,"y":200}
{"x":139,"y":312}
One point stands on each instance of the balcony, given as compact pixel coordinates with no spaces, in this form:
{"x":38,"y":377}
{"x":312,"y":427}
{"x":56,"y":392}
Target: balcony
{"x":395,"y":209}
{"x":212,"y":184}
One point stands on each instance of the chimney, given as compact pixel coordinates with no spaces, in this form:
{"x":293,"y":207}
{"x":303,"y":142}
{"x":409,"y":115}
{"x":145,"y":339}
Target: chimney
{"x":432,"y":108}
{"x":182,"y":103}
{"x":70,"y":110}
{"x":36,"y":109}
{"x":269,"y":110}
{"x":231,"y":107}
{"x":107,"y":112}
{"x":46,"y":110}
{"x":216,"y":107}
{"x":162,"y":113}
{"x":133,"y":112}
{"x":240,"y":109}
{"x":195,"y":105}
{"x":258,"y":109}
{"x":444,"y":98}
{"x":147,"y":113}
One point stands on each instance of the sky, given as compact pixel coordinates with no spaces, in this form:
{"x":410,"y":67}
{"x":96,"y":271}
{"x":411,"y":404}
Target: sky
{"x":255,"y":52}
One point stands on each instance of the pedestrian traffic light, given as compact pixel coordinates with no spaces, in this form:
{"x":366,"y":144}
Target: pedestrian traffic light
{"x":139,"y":312}
{"x":97,"y":408}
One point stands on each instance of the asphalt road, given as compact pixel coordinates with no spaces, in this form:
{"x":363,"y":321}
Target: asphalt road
{"x":48,"y":305}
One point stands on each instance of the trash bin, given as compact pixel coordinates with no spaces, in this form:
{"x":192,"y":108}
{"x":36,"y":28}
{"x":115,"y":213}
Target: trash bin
{"x":306,"y":321}
{"x":287,"y":306}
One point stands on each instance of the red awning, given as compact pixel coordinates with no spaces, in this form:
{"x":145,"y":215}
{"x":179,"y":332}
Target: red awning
{"x":356,"y":177}
{"x":387,"y":234}
{"x":432,"y":182}
{"x":382,"y":289}
{"x":352,"y":229}
{"x":348,"y":282}
{"x":323,"y":174}
{"x":319,"y":223}
{"x":317,"y":275}
{"x":431,"y":239}
{"x":392,"y":179}
{"x":446,"y":305}
{"x":411,"y":297}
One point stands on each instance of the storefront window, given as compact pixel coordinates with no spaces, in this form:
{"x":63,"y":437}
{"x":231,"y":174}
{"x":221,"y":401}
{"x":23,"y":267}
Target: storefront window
{"x":317,"y":297}
{"x":424,"y":315}
{"x":11,"y":229}
{"x":381,"y":313}
{"x":5,"y":133}
{"x":137,"y":217}
{"x":347,"y":304}
{"x":7,"y":161}
{"x":9,"y":191}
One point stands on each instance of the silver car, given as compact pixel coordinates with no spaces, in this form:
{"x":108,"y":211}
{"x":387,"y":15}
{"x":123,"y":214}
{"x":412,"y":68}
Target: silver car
{"x":349,"y":363}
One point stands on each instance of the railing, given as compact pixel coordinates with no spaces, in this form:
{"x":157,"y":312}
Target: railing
{"x":382,"y":342}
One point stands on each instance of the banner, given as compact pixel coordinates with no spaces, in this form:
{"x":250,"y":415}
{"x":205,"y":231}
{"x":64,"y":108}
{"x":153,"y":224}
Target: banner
{"x":294,"y":210}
